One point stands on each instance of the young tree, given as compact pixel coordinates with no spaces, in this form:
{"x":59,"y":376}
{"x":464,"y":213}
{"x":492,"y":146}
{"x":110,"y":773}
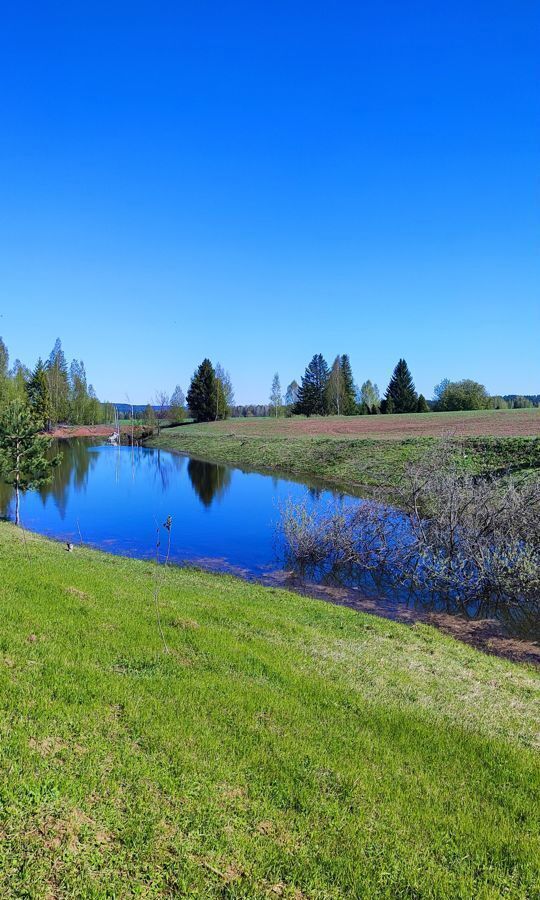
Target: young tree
{"x":422,"y":406}
{"x":149,"y":416}
{"x":38,"y":396}
{"x":224,"y":393}
{"x":201,"y":397}
{"x":291,"y":394}
{"x":335,"y":389}
{"x":20,"y":376}
{"x":177,"y":411}
{"x":438,"y":393}
{"x":401,"y":389}
{"x":369,"y":395}
{"x":78,"y":393}
{"x":349,"y":390}
{"x":312,"y":392}
{"x":57,"y":376}
{"x":275,"y":395}
{"x":23,"y":451}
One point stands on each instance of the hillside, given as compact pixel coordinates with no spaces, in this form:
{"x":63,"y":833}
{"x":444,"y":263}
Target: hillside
{"x":278,"y":746}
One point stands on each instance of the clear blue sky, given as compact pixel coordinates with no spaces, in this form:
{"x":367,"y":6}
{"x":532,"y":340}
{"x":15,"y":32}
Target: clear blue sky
{"x":259,"y":182}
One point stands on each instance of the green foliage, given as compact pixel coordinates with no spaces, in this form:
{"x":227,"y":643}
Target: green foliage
{"x":57,"y":375}
{"x":24,"y":461}
{"x":401,"y":390}
{"x":177,"y":410}
{"x":149,"y":416}
{"x":312,"y":394}
{"x":422,"y":406}
{"x":462,"y":395}
{"x":521,"y":402}
{"x":275,"y":395}
{"x":224,"y":393}
{"x":369,"y":395}
{"x":38,"y":396}
{"x":349,"y":392}
{"x":496,"y":402}
{"x":202,"y":395}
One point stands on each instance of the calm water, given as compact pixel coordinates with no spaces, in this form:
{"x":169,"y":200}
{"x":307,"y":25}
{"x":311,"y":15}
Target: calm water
{"x":116,"y":498}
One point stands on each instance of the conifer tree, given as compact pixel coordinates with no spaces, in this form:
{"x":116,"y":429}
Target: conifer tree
{"x":422,"y":406}
{"x":201,"y":397}
{"x":312,"y":400}
{"x":401,"y":390}
{"x":349,"y":392}
{"x":38,"y":396}
{"x":24,"y":462}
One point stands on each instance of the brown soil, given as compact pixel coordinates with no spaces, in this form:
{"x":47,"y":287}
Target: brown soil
{"x":500,"y":423}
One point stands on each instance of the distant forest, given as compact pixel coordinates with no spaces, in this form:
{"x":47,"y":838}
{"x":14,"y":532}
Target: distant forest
{"x":58,"y":393}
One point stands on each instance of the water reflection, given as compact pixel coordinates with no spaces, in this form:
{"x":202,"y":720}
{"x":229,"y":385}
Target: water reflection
{"x":223,"y":518}
{"x":209,"y":480}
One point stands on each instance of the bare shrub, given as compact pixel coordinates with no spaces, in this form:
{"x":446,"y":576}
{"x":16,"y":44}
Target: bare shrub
{"x":476,"y":541}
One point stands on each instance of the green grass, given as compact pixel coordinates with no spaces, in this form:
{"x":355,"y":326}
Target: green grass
{"x":348,"y":461}
{"x":282,"y":748}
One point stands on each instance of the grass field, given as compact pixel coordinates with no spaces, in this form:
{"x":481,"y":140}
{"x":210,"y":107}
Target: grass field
{"x":282,"y":748}
{"x":363,"y":451}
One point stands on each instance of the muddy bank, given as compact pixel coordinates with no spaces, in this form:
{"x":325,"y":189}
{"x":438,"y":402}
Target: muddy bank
{"x":65,"y":432}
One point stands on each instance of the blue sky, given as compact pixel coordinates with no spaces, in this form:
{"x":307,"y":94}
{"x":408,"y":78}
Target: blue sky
{"x":257,"y":183}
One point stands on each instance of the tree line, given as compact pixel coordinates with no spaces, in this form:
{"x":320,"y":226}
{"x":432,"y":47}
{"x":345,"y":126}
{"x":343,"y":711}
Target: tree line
{"x":53,"y":392}
{"x":325,"y":390}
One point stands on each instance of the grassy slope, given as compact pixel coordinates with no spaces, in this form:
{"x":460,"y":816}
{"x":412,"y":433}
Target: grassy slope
{"x":284,"y":747}
{"x":344,"y":459}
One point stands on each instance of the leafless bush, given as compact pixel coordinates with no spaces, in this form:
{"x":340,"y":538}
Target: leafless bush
{"x":474,"y":540}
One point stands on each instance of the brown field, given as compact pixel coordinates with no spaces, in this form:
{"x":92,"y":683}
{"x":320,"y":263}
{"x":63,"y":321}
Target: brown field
{"x":489,"y":423}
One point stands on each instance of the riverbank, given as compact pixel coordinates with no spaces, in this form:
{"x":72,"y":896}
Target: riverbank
{"x":281,"y":747}
{"x":343,"y":459}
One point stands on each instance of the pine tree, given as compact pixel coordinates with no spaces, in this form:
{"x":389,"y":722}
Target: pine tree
{"x":24,"y":462}
{"x":401,"y":390}
{"x":349,"y":392}
{"x":422,"y":406}
{"x":38,"y":396}
{"x":312,"y":392}
{"x":201,"y":397}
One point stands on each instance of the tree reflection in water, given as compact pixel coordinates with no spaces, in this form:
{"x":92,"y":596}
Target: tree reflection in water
{"x":75,"y":465}
{"x":209,"y":480}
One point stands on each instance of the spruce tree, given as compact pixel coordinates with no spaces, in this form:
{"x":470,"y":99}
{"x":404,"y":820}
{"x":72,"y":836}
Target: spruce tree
{"x":312,"y":400}
{"x":24,"y":461}
{"x":401,"y":390}
{"x":422,"y":406}
{"x":202,"y":395}
{"x":38,"y":396}
{"x":349,"y":392}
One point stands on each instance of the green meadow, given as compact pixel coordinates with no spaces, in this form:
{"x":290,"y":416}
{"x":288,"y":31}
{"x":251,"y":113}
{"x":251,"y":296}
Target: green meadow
{"x":259,"y":744}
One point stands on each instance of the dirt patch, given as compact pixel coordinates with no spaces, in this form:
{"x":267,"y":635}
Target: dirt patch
{"x":495,"y":423}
